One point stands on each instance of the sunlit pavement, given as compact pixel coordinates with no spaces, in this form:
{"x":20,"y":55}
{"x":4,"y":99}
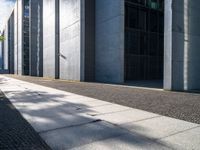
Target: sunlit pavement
{"x":70,"y":121}
{"x":179,"y":105}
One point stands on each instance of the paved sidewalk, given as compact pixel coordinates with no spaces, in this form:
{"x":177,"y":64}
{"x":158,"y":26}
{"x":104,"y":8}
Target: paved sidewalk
{"x":15,"y":132}
{"x":184,"y":106}
{"x":70,"y":121}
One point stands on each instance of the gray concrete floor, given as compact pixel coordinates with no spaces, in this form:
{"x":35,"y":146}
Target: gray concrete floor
{"x":72,"y":121}
{"x":179,"y":105}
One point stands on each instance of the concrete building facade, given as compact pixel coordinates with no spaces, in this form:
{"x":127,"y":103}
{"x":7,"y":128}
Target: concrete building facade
{"x":109,"y":39}
{"x":2,"y":52}
{"x":19,"y":37}
{"x":50,"y":46}
{"x":76,"y":40}
{"x":1,"y":57}
{"x":182,"y":41}
{"x":28,"y":41}
{"x":7,"y":47}
{"x":36,"y":38}
{"x":71,"y":50}
{"x":114,"y":41}
{"x":11,"y":44}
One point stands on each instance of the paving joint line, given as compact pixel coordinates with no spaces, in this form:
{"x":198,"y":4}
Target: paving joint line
{"x":127,"y":131}
{"x":158,"y":116}
{"x":70,"y":126}
{"x":159,"y":139}
{"x":98,"y":114}
{"x":94,"y":106}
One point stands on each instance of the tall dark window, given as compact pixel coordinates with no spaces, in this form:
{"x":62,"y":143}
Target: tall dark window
{"x":26,"y":38}
{"x":144,"y":23}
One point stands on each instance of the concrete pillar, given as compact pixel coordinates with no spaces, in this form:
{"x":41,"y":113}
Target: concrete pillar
{"x":5,"y":48}
{"x":36,"y":38}
{"x":109,"y":53}
{"x":20,"y":37}
{"x":50,"y":47}
{"x":77,"y":26}
{"x":1,"y":57}
{"x":11,"y":43}
{"x":182,"y":42}
{"x":70,"y":39}
{"x":2,"y":53}
{"x":16,"y":38}
{"x":168,"y":45}
{"x":19,"y":42}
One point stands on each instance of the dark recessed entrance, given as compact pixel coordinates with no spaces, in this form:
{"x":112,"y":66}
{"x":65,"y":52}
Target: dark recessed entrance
{"x":144,"y":39}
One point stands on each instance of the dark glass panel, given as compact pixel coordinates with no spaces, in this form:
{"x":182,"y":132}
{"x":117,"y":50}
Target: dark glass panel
{"x":26,"y":38}
{"x":144,"y":25}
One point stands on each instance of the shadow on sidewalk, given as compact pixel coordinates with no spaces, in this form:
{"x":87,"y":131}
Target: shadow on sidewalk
{"x":15,"y":131}
{"x":62,"y":123}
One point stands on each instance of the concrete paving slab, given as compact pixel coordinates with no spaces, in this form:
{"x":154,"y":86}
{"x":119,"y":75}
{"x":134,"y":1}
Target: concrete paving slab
{"x":27,"y":101}
{"x":86,"y":137}
{"x":96,"y":103}
{"x":50,"y":93}
{"x":125,"y":142}
{"x":47,"y":122}
{"x":29,"y":96}
{"x":126,"y":116}
{"x":43,"y":106}
{"x":102,"y":110}
{"x":31,"y":101}
{"x":45,"y":111}
{"x":187,"y":140}
{"x":47,"y":115}
{"x":67,"y":138}
{"x":159,"y":127}
{"x":76,"y":99}
{"x":83,"y":101}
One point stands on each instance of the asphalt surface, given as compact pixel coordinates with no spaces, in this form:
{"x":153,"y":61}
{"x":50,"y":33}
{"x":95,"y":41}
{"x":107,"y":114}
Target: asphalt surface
{"x":15,"y":131}
{"x":179,"y":105}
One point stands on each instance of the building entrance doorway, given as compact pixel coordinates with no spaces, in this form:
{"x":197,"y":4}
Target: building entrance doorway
{"x":144,"y":40}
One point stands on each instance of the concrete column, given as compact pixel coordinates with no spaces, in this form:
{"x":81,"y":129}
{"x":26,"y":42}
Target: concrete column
{"x":16,"y":38}
{"x":182,"y":42}
{"x":11,"y":43}
{"x":2,"y":53}
{"x":109,"y":53}
{"x":70,"y":39}
{"x":49,"y":38}
{"x":20,"y":36}
{"x":5,"y":52}
{"x":36,"y":38}
{"x":168,"y":45}
{"x":1,"y":57}
{"x":77,"y":39}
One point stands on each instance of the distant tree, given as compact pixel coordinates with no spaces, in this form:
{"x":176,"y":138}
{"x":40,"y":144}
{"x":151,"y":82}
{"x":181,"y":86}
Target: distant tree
{"x":2,"y":38}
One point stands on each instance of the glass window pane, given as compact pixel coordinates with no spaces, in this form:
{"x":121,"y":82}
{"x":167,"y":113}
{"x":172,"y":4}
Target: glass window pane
{"x":144,"y":40}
